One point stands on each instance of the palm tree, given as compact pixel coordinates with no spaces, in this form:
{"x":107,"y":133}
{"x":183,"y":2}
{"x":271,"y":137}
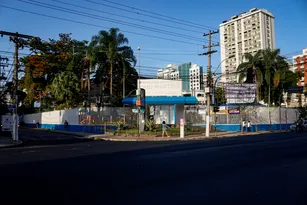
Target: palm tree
{"x":65,"y":87}
{"x":111,"y":44}
{"x":270,"y":59}
{"x":251,"y":66}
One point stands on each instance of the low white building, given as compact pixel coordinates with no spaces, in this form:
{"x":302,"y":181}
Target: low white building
{"x":164,"y":100}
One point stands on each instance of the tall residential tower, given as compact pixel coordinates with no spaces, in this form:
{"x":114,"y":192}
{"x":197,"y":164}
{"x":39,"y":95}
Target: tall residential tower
{"x":247,"y":32}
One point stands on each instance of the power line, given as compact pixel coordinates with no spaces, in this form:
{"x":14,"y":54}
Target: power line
{"x":159,"y":59}
{"x":103,"y":18}
{"x":168,"y":20}
{"x":129,"y":17}
{"x":94,"y":25}
{"x":11,"y":52}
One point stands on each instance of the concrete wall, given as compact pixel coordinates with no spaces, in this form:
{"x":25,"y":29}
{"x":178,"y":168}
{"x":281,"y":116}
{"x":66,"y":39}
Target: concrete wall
{"x":161,"y":87}
{"x":260,"y":115}
{"x":32,"y":118}
{"x":56,"y":117}
{"x":55,"y":120}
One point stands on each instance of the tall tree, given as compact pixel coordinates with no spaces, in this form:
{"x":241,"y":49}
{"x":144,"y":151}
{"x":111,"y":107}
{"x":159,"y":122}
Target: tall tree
{"x":251,"y":70}
{"x":111,"y":44}
{"x":270,"y":58}
{"x":65,"y":88}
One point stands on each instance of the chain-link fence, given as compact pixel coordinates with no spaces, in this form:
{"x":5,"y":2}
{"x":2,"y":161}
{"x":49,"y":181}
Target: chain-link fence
{"x":257,"y":115}
{"x":107,"y":115}
{"x":193,"y":115}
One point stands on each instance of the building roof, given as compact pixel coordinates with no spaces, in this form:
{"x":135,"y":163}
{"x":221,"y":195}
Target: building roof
{"x":245,"y":14}
{"x":179,"y":100}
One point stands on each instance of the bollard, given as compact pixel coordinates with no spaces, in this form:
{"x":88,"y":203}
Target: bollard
{"x":181,"y":128}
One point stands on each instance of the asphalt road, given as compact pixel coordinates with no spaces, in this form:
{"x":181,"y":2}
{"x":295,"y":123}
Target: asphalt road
{"x":264,"y":169}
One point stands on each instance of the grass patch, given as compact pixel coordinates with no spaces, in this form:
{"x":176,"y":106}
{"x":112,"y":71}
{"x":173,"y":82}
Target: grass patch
{"x":171,"y":131}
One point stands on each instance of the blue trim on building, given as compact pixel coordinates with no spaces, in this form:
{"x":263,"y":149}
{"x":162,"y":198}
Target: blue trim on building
{"x":191,"y":100}
{"x":97,"y":129}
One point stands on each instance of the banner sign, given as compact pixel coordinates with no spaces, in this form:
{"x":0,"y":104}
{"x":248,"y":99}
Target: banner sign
{"x":240,"y":92}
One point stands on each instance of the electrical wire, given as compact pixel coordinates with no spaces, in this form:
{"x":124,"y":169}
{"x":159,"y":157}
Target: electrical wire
{"x":103,"y":18}
{"x":138,"y":13}
{"x":98,"y":26}
{"x":128,"y":17}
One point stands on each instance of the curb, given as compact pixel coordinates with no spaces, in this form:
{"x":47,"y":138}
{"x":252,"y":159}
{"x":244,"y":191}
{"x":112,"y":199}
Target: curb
{"x":226,"y":135}
{"x":16,"y":144}
{"x":198,"y":137}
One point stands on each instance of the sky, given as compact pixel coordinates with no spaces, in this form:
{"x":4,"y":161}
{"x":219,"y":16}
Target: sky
{"x":151,"y":25}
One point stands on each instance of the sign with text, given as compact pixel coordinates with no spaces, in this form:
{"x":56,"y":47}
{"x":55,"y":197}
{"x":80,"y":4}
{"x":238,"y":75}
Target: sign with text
{"x":240,"y":92}
{"x":161,"y":87}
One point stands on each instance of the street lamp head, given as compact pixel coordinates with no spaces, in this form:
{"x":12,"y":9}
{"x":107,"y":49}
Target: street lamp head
{"x":139,"y":48}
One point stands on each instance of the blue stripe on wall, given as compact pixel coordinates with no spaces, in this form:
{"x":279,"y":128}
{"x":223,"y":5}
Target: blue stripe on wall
{"x":261,"y":127}
{"x":97,"y":129}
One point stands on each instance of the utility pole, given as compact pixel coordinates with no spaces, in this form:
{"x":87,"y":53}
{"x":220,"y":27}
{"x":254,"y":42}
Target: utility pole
{"x":19,"y":42}
{"x":209,"y":76}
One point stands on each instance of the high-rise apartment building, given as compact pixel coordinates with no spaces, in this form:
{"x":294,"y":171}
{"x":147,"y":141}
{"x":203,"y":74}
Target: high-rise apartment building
{"x":300,"y":64}
{"x":191,"y":75}
{"x":247,"y":32}
{"x":166,"y":72}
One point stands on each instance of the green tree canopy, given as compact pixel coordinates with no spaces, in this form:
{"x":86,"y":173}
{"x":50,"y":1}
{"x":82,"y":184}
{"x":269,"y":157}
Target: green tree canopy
{"x":65,"y":88}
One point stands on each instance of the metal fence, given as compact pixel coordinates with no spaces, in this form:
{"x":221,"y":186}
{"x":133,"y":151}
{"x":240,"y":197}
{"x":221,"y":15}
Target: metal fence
{"x":107,"y":115}
{"x":258,"y":115}
{"x":193,"y":115}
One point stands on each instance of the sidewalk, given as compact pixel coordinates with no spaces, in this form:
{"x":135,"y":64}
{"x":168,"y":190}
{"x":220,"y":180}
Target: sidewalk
{"x":8,"y":142}
{"x":202,"y":136}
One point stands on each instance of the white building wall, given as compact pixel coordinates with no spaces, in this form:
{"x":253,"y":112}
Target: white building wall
{"x":160,"y":87}
{"x":32,"y":118}
{"x":56,"y":117}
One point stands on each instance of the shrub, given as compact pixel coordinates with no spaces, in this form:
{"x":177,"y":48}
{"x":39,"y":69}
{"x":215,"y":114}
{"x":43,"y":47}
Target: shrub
{"x":119,"y":125}
{"x":151,"y":125}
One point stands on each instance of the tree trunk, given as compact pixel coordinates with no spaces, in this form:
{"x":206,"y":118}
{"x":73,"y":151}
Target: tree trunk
{"x":124,"y":80}
{"x":82,"y":79}
{"x":257,"y":91}
{"x":111,"y":80}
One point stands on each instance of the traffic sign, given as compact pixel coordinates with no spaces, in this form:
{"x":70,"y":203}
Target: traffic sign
{"x":135,"y":110}
{"x":138,"y":103}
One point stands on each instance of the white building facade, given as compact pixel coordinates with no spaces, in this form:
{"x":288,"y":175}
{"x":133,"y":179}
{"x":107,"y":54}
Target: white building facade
{"x":247,"y":32}
{"x":191,"y":76}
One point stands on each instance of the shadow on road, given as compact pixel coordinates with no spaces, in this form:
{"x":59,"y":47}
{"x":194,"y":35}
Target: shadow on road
{"x":27,"y":142}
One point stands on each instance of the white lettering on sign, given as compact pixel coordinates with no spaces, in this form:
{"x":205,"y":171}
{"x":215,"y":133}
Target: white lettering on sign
{"x":159,"y":87}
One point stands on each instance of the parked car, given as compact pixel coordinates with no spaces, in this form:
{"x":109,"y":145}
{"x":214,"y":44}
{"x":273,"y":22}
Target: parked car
{"x":293,"y":126}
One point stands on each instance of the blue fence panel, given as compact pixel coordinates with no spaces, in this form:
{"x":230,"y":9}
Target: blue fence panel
{"x":97,"y":129}
{"x":261,"y":127}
